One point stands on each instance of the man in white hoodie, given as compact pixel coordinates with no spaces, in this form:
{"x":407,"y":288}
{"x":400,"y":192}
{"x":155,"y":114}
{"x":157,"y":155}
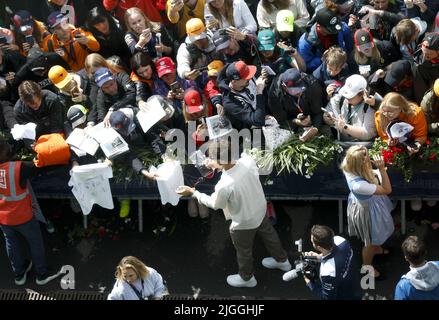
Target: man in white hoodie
{"x":422,"y":281}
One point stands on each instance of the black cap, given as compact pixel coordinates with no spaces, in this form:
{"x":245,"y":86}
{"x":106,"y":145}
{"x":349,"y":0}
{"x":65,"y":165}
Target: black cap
{"x":328,"y":19}
{"x":23,"y":18}
{"x":397,"y":71}
{"x":76,"y":115}
{"x":363,"y":39}
{"x":432,"y":40}
{"x":36,"y":60}
{"x":121,"y":122}
{"x":221,"y":39}
{"x":292,"y":79}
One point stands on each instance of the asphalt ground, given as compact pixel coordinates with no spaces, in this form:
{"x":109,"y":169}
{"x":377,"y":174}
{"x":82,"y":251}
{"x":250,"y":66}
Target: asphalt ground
{"x":194,"y":256}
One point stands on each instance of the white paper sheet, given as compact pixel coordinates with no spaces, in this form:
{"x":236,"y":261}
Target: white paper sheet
{"x":24,"y":131}
{"x":82,"y":141}
{"x":90,"y":185}
{"x":150,"y":113}
{"x":170,"y":177}
{"x":110,"y":141}
{"x":218,"y":128}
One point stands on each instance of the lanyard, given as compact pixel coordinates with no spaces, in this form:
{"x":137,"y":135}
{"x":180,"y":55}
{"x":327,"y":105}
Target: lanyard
{"x":298,"y":104}
{"x":138,"y":293}
{"x":351,"y":114}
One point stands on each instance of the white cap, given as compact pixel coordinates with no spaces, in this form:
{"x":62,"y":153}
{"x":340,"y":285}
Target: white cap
{"x":353,"y":86}
{"x":399,"y":130}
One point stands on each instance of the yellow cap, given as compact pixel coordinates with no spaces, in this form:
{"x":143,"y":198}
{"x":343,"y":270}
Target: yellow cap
{"x":59,"y":76}
{"x":214,"y":68}
{"x":436,"y":87}
{"x":195,"y":29}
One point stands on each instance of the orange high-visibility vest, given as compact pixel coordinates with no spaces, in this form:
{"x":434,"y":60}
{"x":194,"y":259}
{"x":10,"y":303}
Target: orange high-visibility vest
{"x":15,"y":201}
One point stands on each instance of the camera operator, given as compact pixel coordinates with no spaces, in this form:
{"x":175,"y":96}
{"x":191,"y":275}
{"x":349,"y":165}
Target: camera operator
{"x":339,"y":276}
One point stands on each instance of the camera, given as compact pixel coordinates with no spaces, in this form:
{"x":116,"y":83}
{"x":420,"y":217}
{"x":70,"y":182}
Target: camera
{"x":306,"y":265}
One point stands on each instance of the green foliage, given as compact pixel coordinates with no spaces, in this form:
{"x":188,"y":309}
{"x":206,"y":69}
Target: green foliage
{"x":123,"y":172}
{"x":299,"y":157}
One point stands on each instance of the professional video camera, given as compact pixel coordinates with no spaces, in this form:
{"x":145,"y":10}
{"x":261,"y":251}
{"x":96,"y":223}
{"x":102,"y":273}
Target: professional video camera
{"x":307,"y":265}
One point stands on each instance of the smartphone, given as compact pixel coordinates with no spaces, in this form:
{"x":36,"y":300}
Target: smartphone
{"x":146,"y":31}
{"x":29,"y":40}
{"x":3,"y":40}
{"x":175,"y":87}
{"x":201,"y":69}
{"x":76,"y":34}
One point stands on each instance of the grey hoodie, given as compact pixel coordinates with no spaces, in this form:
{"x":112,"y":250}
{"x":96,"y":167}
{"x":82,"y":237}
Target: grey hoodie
{"x":425,"y":278}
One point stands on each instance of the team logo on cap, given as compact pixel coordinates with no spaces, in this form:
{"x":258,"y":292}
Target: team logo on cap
{"x":162,"y":63}
{"x":333,"y":20}
{"x":363,"y":38}
{"x":286,"y":20}
{"x":193,"y":100}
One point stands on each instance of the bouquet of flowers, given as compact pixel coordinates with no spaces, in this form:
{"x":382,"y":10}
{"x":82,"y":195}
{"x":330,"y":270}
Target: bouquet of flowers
{"x":395,"y":156}
{"x":297,"y":156}
{"x":398,"y":157}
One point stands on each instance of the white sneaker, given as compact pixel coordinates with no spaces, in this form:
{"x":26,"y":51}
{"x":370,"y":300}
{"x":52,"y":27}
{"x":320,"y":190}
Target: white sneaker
{"x":235,"y":280}
{"x":431,"y":203}
{"x":271,"y":263}
{"x":416,"y":205}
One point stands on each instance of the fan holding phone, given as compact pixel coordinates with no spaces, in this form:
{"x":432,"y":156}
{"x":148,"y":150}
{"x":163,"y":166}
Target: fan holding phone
{"x":145,"y":36}
{"x":352,"y":112}
{"x":28,"y":32}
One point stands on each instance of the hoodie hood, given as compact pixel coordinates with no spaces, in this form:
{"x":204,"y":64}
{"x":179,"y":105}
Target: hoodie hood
{"x":222,"y":80}
{"x":312,"y":36}
{"x":425,"y":278}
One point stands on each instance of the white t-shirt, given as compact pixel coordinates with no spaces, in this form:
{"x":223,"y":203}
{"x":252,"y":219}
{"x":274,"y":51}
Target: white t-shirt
{"x":362,"y":187}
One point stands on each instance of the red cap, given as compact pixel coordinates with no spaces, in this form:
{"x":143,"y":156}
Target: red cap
{"x":193,"y":101}
{"x":240,"y":70}
{"x":164,"y":66}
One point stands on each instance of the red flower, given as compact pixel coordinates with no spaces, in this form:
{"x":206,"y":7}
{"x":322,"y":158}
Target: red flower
{"x":388,"y":156}
{"x":102,"y":232}
{"x":427,"y":142}
{"x":432,"y":156}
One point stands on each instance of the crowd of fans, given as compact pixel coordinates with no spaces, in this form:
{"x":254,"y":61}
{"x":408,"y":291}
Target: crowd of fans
{"x":342,"y":68}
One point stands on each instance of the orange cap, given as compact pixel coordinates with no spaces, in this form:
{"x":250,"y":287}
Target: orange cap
{"x":214,"y":68}
{"x":59,"y":76}
{"x":195,"y":29}
{"x":436,"y":87}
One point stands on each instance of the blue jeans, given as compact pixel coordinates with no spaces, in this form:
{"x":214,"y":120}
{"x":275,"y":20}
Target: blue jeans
{"x":31,"y":232}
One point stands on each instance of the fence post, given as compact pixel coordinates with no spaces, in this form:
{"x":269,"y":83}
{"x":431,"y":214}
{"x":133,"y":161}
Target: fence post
{"x":403,"y":218}
{"x":340,"y":216}
{"x":140,"y":214}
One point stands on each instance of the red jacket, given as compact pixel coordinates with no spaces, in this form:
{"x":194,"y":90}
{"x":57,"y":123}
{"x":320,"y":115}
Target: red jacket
{"x":15,"y":202}
{"x":150,"y":7}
